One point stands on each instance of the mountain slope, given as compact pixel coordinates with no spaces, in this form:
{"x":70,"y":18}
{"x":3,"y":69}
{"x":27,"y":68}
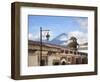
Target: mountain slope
{"x":60,"y":39}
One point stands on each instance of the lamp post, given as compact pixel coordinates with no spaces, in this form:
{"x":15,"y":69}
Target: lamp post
{"x":47,"y":36}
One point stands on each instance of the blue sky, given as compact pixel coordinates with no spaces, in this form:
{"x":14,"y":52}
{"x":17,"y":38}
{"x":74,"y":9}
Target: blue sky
{"x":57,"y":25}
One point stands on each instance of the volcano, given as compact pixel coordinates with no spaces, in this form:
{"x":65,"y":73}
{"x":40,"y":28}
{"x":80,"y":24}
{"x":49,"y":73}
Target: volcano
{"x":60,"y":39}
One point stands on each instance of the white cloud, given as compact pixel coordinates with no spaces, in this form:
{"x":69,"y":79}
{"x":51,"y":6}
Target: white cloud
{"x":82,"y":22}
{"x":81,"y":36}
{"x":30,"y":36}
{"x":34,"y":37}
{"x":63,"y":38}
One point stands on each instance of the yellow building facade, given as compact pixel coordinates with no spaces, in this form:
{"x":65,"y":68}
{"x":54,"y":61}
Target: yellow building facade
{"x":53,"y":55}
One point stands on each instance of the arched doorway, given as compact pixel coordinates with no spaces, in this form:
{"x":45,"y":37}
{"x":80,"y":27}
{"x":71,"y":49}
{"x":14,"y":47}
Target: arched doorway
{"x":63,"y":61}
{"x":55,"y":62}
{"x":84,"y":60}
{"x":78,"y":60}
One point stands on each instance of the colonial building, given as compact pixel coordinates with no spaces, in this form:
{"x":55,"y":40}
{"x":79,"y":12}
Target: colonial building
{"x":54,"y":54}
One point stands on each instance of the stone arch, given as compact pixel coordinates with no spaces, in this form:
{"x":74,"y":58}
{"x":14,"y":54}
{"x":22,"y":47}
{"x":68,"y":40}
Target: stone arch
{"x":63,"y":61}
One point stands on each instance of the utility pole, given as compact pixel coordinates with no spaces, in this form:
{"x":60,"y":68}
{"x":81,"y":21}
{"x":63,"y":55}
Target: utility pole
{"x":47,"y":36}
{"x":40,"y":46}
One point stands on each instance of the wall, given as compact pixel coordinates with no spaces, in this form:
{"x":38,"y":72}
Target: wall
{"x":5,"y":40}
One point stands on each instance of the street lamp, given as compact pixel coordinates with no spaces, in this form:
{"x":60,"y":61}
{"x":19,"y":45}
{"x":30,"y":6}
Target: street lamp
{"x":47,"y":36}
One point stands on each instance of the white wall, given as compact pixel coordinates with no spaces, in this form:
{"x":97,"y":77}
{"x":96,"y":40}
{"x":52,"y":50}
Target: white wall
{"x":5,"y":38}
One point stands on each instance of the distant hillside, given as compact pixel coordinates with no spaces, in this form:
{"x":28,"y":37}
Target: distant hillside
{"x":60,"y":39}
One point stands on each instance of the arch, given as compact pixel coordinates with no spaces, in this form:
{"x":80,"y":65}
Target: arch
{"x":63,"y":61}
{"x":55,"y":62}
{"x":84,"y":60}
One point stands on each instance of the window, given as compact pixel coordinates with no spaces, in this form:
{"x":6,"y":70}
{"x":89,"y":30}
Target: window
{"x":75,"y":53}
{"x":42,"y":62}
{"x":68,"y":59}
{"x":66,"y":51}
{"x":62,"y":51}
{"x":84,"y":60}
{"x":71,"y":52}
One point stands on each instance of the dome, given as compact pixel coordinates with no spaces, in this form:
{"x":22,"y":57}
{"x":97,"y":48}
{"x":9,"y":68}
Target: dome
{"x":73,"y":38}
